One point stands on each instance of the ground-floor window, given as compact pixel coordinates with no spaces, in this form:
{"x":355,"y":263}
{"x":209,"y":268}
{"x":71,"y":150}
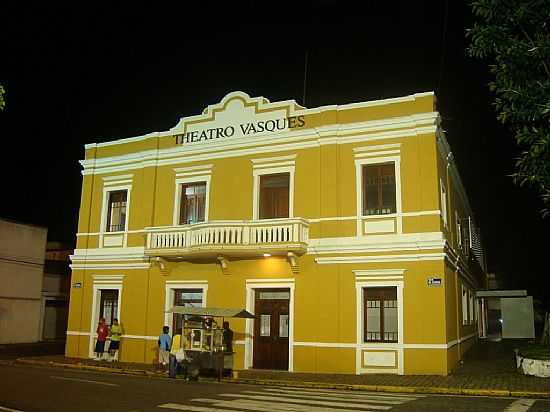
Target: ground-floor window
{"x":380,"y":314}
{"x":187,"y":298}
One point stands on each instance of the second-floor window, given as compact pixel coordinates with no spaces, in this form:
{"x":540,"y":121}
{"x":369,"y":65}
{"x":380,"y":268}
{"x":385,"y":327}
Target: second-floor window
{"x":379,"y":189}
{"x":192,"y":203}
{"x":116,"y":213}
{"x":274,"y":196}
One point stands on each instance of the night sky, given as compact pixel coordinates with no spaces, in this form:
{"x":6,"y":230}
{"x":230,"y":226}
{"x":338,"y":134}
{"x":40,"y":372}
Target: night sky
{"x":92,"y":74}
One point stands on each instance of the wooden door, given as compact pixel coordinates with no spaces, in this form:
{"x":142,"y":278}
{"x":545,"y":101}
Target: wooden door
{"x":271,"y":328}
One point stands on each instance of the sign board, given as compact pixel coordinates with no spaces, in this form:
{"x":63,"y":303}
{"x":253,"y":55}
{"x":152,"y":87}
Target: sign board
{"x":434,"y":282}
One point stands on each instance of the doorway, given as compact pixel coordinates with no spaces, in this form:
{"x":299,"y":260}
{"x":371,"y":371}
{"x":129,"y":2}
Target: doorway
{"x":271,"y":328}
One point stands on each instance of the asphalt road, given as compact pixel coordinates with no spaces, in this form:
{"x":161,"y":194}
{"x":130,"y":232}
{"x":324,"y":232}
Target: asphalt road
{"x":33,"y":389}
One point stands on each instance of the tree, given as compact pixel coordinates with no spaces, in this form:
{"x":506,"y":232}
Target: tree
{"x":2,"y":101}
{"x":514,"y":36}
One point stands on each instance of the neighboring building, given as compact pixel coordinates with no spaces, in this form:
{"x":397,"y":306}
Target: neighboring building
{"x":345,"y":229}
{"x":22,"y":249}
{"x":505,"y":313}
{"x":55,"y":291}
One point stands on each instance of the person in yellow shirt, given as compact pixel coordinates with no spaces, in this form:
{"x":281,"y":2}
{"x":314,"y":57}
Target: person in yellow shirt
{"x":115,"y":333}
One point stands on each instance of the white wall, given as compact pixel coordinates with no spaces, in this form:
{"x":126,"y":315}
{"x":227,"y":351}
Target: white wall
{"x":517,"y":317}
{"x":22,"y":250}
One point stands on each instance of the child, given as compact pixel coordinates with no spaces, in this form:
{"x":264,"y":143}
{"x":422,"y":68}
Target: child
{"x":102,"y":332}
{"x":164,"y":342}
{"x":115,"y":333}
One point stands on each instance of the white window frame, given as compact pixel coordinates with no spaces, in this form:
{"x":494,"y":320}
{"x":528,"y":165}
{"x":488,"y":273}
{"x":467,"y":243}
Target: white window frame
{"x":177,"y":196}
{"x":360,"y":285}
{"x":464,"y":296}
{"x":359,"y":163}
{"x":458,"y":230}
{"x":257,"y":172}
{"x":170,"y":288}
{"x":443,"y":200}
{"x":103,"y":282}
{"x":105,"y":208}
{"x":471,"y":307}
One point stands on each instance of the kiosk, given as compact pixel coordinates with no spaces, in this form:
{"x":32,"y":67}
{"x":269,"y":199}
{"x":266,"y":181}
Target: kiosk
{"x":204,"y":342}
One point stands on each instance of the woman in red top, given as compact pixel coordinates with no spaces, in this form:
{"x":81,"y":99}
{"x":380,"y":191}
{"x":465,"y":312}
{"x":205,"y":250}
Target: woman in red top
{"x":102,"y":333}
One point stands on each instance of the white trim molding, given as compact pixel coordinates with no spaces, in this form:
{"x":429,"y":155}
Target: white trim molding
{"x":109,"y":266}
{"x":443,"y":346}
{"x":407,"y":257}
{"x":251,"y":286}
{"x":380,"y":243}
{"x":109,"y":258}
{"x":379,"y":274}
{"x":273,"y":161}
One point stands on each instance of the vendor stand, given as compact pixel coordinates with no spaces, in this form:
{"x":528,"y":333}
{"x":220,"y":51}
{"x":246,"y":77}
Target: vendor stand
{"x":202,"y":338}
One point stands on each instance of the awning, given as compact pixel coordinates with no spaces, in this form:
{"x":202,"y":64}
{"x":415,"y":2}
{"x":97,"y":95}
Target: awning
{"x":219,"y":312}
{"x":501,"y":293}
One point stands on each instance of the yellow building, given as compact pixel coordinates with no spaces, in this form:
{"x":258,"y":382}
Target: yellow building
{"x":345,"y":229}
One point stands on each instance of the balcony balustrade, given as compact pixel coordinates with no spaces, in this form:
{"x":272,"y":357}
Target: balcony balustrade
{"x":230,"y":238}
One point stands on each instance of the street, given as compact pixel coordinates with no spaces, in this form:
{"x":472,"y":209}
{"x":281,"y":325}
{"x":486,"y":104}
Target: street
{"x":31,"y":389}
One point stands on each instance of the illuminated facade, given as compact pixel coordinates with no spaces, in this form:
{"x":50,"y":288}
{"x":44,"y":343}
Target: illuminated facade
{"x":344,"y":229}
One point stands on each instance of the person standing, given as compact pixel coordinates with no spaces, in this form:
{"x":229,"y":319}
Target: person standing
{"x":165,"y":343}
{"x":102,"y":333}
{"x":115,"y":333}
{"x":227,"y":337}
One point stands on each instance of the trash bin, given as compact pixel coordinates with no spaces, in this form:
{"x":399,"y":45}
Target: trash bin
{"x":172,"y":366}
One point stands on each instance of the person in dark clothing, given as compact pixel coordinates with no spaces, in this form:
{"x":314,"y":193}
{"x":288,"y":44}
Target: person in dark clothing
{"x":227,"y":337}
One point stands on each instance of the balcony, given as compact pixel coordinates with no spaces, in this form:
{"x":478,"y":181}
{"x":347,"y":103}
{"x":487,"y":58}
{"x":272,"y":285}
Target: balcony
{"x":231,"y":238}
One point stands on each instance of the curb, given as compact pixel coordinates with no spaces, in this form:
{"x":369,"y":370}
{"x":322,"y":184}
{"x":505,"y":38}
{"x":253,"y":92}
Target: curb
{"x":433,"y":390}
{"x":395,"y":389}
{"x":80,"y":366}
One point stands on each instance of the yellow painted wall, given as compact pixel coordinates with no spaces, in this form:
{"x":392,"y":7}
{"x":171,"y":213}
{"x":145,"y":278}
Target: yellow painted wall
{"x":324,"y":360}
{"x":425,"y":362}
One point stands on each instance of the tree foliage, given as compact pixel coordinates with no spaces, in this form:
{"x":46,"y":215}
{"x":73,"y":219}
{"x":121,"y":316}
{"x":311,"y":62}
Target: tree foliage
{"x":514,"y":36}
{"x":2,"y":101}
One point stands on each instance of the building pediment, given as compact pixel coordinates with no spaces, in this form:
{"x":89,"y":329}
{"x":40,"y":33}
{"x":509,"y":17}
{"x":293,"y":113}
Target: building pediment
{"x":236,"y":116}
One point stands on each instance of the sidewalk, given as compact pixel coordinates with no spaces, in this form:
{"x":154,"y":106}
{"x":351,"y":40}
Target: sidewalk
{"x":488,"y":370}
{"x":16,"y":350}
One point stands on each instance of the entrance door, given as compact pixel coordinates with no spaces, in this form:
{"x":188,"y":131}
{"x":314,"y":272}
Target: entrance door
{"x":271,"y":327}
{"x":108,"y":305}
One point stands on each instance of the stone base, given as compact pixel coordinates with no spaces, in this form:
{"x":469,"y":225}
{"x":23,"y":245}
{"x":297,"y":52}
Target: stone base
{"x":535,"y":367}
